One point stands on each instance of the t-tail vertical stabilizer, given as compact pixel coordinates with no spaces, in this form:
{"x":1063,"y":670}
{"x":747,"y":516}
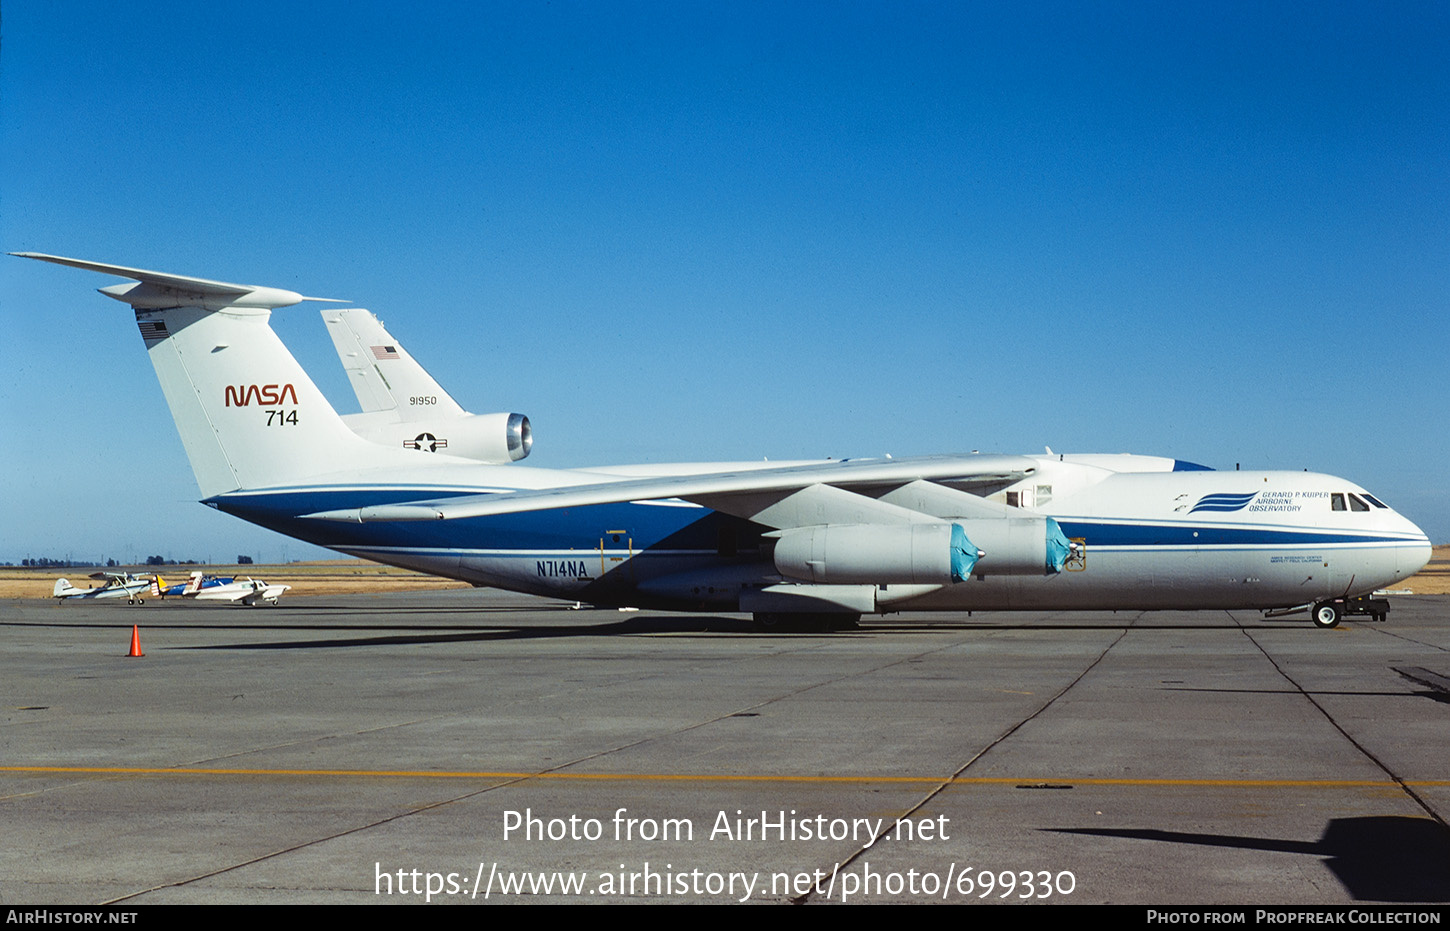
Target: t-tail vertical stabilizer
{"x":248,"y":414}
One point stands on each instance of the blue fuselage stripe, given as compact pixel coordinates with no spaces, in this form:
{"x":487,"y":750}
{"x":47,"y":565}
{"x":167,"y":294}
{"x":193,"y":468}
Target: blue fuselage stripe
{"x":641,"y":527}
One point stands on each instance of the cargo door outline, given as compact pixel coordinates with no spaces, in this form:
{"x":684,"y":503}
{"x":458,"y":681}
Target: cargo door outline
{"x":612,"y":566}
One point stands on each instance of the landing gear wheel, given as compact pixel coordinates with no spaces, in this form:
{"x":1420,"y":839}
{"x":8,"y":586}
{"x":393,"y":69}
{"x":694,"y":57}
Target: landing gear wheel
{"x":1327,"y":615}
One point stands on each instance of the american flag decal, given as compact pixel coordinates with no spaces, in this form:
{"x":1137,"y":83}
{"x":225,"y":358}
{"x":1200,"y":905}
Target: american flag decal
{"x":152,"y":331}
{"x":385,"y":352}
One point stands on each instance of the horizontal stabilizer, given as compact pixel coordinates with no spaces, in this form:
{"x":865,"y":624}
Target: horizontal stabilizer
{"x":158,"y":290}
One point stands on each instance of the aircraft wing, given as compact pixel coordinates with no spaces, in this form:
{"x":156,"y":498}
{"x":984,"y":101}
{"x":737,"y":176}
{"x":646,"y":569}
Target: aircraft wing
{"x":790,"y":496}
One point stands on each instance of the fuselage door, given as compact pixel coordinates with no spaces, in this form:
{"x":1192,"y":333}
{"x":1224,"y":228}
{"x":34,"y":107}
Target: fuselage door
{"x":616,"y":548}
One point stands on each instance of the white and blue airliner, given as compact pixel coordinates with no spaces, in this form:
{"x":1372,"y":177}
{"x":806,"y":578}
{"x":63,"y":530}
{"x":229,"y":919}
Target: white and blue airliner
{"x":416,"y":481}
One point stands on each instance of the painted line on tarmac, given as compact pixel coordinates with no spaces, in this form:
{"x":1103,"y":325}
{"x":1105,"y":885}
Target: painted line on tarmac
{"x":1027,"y":783}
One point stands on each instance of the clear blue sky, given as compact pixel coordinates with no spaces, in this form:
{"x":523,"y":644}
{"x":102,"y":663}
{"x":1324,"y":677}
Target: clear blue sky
{"x":678,"y":231}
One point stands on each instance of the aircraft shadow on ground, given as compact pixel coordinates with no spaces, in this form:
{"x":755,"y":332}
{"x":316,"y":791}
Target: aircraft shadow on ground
{"x":687,"y":624}
{"x":589,"y":624}
{"x":1430,"y":693}
{"x":1388,"y":858}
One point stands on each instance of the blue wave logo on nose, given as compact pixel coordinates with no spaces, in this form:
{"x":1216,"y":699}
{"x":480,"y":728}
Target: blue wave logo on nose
{"x":1223,"y":502}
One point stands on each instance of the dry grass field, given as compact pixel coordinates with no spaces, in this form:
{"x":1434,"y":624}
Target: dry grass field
{"x":357,"y":576}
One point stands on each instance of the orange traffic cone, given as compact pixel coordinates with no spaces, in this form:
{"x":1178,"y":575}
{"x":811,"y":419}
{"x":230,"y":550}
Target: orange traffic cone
{"x":135,"y":642}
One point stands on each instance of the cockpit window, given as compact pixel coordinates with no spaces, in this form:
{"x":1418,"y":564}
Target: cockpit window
{"x":1375,"y":501}
{"x":1336,"y":502}
{"x":1357,"y":505}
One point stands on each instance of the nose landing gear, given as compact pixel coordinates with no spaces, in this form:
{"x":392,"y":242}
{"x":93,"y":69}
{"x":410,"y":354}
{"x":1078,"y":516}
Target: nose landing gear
{"x":1327,"y":614}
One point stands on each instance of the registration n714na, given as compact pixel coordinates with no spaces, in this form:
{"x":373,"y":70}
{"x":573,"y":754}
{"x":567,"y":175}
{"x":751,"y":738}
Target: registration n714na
{"x":416,"y":481}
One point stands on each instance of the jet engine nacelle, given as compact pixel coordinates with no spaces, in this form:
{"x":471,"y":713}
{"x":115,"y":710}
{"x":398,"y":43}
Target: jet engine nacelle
{"x":929,"y":552}
{"x":494,"y":438}
{"x":1018,"y":545}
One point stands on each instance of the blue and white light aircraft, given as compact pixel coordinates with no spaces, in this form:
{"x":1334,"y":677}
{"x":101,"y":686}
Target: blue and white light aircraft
{"x":227,"y":589}
{"x":416,"y":481}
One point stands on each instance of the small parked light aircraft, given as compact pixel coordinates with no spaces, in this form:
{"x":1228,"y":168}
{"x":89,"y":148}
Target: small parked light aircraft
{"x":118,"y":585}
{"x":160,"y":588}
{"x":820,"y":541}
{"x":205,"y":587}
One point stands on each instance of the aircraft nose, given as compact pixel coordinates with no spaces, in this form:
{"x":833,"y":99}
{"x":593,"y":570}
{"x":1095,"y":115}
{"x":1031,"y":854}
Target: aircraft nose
{"x":1413,"y":555}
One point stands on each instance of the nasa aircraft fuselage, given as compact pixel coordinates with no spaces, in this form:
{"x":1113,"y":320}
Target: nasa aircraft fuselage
{"x":834,"y":538}
{"x":1147,"y":540}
